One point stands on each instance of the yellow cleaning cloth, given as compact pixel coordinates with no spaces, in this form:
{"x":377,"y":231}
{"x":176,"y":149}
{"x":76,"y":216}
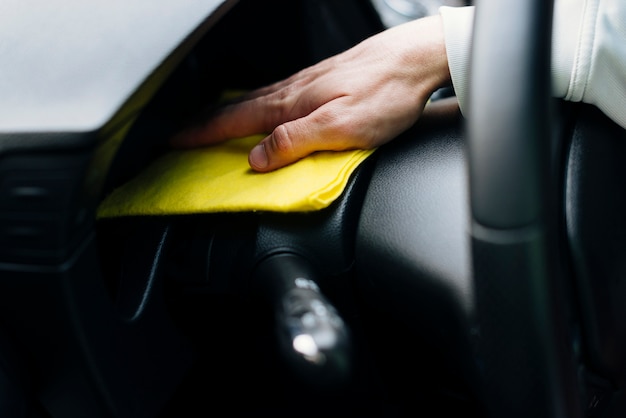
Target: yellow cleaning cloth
{"x":218,"y":179}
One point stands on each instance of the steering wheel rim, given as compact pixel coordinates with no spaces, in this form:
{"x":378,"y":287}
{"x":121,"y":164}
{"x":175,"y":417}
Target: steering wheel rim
{"x":524,"y":354}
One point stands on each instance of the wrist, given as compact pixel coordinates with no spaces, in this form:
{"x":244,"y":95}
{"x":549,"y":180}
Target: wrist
{"x":427,"y":58}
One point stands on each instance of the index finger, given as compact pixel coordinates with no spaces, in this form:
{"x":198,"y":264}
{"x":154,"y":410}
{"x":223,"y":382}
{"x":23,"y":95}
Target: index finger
{"x":232,"y":121}
{"x":259,"y":111}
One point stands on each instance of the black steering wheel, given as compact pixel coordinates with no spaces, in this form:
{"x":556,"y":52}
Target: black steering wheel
{"x":525,"y":350}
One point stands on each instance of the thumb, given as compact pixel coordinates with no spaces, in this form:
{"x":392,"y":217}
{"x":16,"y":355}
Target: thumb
{"x":285,"y":145}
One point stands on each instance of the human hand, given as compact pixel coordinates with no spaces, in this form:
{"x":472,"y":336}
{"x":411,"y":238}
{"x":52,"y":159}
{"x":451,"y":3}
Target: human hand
{"x":358,"y":99}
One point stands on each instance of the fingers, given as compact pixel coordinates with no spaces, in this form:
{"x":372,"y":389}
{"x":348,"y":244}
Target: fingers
{"x":297,"y":126}
{"x":294,"y":140}
{"x":232,"y":121}
{"x":259,"y":114}
{"x":263,"y":109}
{"x":282,"y":147}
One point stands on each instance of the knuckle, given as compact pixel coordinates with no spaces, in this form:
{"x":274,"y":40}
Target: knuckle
{"x":282,"y":142}
{"x":344,"y":132}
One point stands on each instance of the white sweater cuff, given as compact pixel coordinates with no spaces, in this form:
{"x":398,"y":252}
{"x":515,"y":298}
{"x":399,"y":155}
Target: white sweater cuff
{"x":588,"y":53}
{"x":458,"y":24}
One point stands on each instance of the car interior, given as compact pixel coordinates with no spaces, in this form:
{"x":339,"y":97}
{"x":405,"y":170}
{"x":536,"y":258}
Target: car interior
{"x":474,"y":266}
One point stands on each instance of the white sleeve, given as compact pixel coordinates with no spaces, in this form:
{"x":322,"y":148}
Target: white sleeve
{"x":458,"y":23}
{"x":588,"y":52}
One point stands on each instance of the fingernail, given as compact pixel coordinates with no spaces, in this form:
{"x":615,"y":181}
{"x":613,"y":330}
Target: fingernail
{"x":258,"y":156}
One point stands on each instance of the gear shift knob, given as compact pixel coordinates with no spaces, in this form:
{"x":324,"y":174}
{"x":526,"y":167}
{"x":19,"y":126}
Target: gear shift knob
{"x":312,"y":336}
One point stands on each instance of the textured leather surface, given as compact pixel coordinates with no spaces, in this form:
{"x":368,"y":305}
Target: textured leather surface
{"x":595,"y":207}
{"x":413,"y":253}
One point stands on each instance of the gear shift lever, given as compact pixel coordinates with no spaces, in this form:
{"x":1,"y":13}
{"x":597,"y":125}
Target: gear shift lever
{"x":312,"y":336}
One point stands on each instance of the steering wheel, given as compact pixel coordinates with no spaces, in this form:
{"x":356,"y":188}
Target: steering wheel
{"x":525,"y":349}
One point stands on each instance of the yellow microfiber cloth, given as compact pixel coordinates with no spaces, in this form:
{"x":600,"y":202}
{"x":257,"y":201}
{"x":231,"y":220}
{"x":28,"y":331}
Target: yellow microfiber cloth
{"x":218,"y":179}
